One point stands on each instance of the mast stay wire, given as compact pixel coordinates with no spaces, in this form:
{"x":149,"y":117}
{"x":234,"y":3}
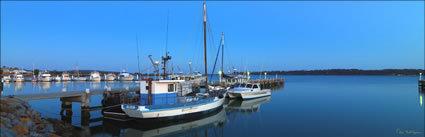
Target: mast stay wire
{"x":188,"y":41}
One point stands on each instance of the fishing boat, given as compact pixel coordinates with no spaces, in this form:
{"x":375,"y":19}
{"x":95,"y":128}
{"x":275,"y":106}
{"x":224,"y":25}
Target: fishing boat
{"x":159,"y":98}
{"x":195,"y":123}
{"x":248,"y":91}
{"x":6,"y":78}
{"x":110,"y":77}
{"x":125,"y":76}
{"x":162,"y":101}
{"x":95,"y":76}
{"x":19,"y":77}
{"x":57,"y":78}
{"x":44,"y":76}
{"x":65,"y":77}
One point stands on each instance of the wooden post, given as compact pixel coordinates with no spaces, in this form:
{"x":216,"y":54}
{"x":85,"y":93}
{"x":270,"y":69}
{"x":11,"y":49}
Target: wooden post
{"x":150,"y":91}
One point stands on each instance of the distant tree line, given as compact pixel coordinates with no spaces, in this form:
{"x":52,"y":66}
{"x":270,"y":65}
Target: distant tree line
{"x":345,"y":72}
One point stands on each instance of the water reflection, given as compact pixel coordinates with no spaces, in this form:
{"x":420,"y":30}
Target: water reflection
{"x":65,"y":86}
{"x":18,"y":86}
{"x":421,"y":96}
{"x":95,"y":84}
{"x":195,"y":126}
{"x":15,"y":88}
{"x":44,"y":86}
{"x":246,"y":106}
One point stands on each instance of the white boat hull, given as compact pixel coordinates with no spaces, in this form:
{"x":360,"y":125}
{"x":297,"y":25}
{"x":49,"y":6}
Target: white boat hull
{"x":66,"y":79}
{"x":233,"y":95}
{"x":250,"y":95}
{"x":126,"y":78}
{"x":138,"y":113}
{"x":48,"y":79}
{"x":80,"y":79}
{"x":19,"y":80}
{"x":96,"y":79}
{"x":110,"y":79}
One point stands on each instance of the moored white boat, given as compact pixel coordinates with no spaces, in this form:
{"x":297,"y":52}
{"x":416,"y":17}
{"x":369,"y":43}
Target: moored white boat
{"x":158,"y":129}
{"x":110,"y":77}
{"x":44,"y":76}
{"x":95,"y":76}
{"x":6,"y":78}
{"x":65,"y":77}
{"x":57,"y":78}
{"x":19,"y":77}
{"x":125,"y":76}
{"x":160,"y":99}
{"x":248,"y":91}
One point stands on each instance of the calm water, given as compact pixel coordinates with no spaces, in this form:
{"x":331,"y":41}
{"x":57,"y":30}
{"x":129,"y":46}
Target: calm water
{"x":375,"y":106}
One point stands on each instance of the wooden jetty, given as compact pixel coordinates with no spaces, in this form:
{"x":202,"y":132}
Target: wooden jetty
{"x":264,"y":83}
{"x":111,"y":98}
{"x":269,"y":83}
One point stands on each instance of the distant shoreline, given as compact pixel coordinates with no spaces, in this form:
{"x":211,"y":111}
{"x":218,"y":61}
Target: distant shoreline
{"x":323,"y":72}
{"x":382,"y":72}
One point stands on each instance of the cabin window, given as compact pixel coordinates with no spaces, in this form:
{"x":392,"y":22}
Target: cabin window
{"x":249,"y":86}
{"x":170,"y":87}
{"x":255,"y":86}
{"x":147,"y":87}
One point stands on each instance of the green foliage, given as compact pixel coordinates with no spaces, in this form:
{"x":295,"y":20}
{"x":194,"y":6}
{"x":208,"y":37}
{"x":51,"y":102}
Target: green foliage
{"x":36,"y":71}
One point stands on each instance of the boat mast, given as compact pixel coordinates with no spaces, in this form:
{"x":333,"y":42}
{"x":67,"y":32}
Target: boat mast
{"x":222,"y":52}
{"x":138,"y":62}
{"x":166,"y":58}
{"x":205,"y":48}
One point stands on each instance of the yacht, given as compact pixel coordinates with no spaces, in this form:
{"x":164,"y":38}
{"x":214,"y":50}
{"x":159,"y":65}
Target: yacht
{"x":95,"y":76}
{"x":6,"y":78}
{"x":125,"y":76}
{"x":65,"y":77}
{"x":44,"y":76}
{"x":248,"y":91}
{"x":57,"y":78}
{"x":19,"y":77}
{"x":110,"y":77}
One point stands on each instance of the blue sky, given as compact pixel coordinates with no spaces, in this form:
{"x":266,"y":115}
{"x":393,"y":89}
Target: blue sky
{"x":259,"y":35}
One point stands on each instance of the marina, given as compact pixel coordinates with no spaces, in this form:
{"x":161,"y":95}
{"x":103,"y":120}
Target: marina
{"x":199,"y":69}
{"x":229,"y":120}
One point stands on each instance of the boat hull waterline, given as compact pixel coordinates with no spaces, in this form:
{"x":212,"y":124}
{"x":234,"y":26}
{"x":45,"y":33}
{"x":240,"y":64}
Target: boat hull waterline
{"x":249,"y":95}
{"x":170,"y":112}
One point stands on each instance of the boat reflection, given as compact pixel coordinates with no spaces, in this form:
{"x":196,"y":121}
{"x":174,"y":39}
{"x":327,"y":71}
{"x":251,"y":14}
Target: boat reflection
{"x":194,"y":125}
{"x":44,"y":86}
{"x":18,"y":86}
{"x":65,"y":86}
{"x":94,"y":84}
{"x":246,"y":106}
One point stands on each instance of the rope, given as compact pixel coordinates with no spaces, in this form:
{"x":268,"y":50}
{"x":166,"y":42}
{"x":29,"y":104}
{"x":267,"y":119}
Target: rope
{"x":188,"y":41}
{"x":216,"y":57}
